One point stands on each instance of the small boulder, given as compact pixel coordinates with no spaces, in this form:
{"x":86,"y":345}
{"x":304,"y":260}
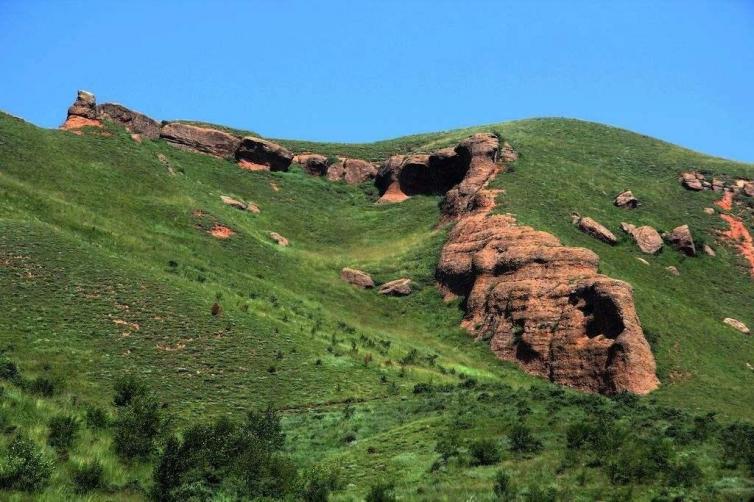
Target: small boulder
{"x":709,"y":210}
{"x":692,"y":180}
{"x":718,"y":185}
{"x":398,"y":287}
{"x":673,"y":270}
{"x":646,"y":237}
{"x":595,"y":229}
{"x":737,"y":325}
{"x":279,"y":239}
{"x":264,"y":153}
{"x":708,"y":250}
{"x":626,"y":200}
{"x":357,"y":278}
{"x":680,"y":238}
{"x":748,"y":188}
{"x":239,"y":204}
{"x":313,"y":163}
{"x":200,"y":139}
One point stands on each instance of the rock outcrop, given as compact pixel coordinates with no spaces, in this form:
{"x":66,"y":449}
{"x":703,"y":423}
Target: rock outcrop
{"x":680,"y":238}
{"x":737,"y":325}
{"x":538,"y":303}
{"x":260,"y":152}
{"x":692,"y":180}
{"x":352,"y":171}
{"x":200,"y":139}
{"x":398,"y":287}
{"x":646,"y":237}
{"x":626,"y":200}
{"x":313,"y":163}
{"x":82,"y":113}
{"x":239,"y":204}
{"x":595,"y":229}
{"x":134,"y":122}
{"x":357,"y":278}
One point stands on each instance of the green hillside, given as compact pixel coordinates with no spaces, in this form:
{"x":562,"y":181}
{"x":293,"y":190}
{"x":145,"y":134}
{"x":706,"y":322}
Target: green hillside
{"x":108,"y":271}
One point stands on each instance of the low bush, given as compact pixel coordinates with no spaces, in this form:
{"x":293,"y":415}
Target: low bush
{"x":96,"y":417}
{"x":503,"y":487}
{"x":42,"y":386}
{"x":137,"y":427}
{"x":24,"y":466}
{"x":381,"y":492}
{"x":88,"y":476}
{"x":127,"y":388}
{"x":63,"y":432}
{"x":522,"y":440}
{"x":484,"y":452}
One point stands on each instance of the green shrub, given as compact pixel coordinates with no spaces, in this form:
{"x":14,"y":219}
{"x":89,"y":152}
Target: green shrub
{"x":42,"y":386}
{"x":381,"y":492}
{"x":684,"y":472}
{"x":737,"y":441}
{"x":88,"y":476}
{"x":63,"y":432}
{"x":127,"y":388}
{"x":96,"y":417}
{"x":8,"y":369}
{"x":484,"y":452}
{"x":447,"y":446}
{"x":522,"y":440}
{"x":137,"y":427}
{"x":25,"y":466}
{"x":318,"y":483}
{"x":502,"y":487}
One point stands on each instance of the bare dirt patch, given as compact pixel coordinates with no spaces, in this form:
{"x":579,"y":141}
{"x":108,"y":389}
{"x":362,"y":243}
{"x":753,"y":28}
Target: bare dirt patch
{"x":221,"y":231}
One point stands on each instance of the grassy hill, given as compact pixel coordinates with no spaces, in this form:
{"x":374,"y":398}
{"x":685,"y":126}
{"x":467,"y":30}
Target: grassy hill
{"x":107,"y":269}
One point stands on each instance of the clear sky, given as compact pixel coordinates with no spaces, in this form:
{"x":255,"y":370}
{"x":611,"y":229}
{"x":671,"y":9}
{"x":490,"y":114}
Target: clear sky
{"x":682,"y":71}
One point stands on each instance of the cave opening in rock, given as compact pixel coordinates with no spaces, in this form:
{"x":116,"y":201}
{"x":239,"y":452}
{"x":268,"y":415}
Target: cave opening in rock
{"x":601,"y":316}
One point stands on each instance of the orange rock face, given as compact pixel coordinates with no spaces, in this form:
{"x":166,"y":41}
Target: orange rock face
{"x":538,"y":303}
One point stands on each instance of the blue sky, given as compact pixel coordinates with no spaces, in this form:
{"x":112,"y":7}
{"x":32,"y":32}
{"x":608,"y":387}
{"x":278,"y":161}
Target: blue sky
{"x":682,"y":71}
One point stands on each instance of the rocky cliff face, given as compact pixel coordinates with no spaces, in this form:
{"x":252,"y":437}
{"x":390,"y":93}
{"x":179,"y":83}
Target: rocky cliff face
{"x":538,"y":303}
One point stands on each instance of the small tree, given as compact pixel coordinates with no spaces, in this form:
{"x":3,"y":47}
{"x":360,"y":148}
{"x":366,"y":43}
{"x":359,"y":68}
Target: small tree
{"x":484,"y":452}
{"x":25,"y":466}
{"x":522,"y":440}
{"x":137,"y":427}
{"x":63,"y":432}
{"x":88,"y":476}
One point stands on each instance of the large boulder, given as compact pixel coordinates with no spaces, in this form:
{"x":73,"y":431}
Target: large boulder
{"x":200,"y":139}
{"x":352,"y":171}
{"x":398,"y":287}
{"x":646,"y":237}
{"x":626,"y":200}
{"x":264,"y":153}
{"x":595,"y":229}
{"x":680,"y":238}
{"x":313,"y":163}
{"x":82,"y":113}
{"x":134,"y":122}
{"x":543,"y":306}
{"x":357,"y":278}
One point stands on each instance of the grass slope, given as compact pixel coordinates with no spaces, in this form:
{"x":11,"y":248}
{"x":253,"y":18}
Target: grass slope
{"x":107,"y":268}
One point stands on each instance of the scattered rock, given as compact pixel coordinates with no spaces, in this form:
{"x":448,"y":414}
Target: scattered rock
{"x":313,"y":163}
{"x":680,"y":238}
{"x":357,"y":278}
{"x":645,"y":262}
{"x":239,"y":204}
{"x":264,"y":153}
{"x":737,"y":325}
{"x":708,"y":250}
{"x":398,"y":287}
{"x":134,"y":122}
{"x":673,"y":270}
{"x":200,"y":139}
{"x":352,"y":171}
{"x":82,"y":113}
{"x":166,"y":162}
{"x":709,"y":210}
{"x":692,"y":180}
{"x":718,"y":185}
{"x":748,"y":188}
{"x":626,"y":200}
{"x":646,"y":237}
{"x":279,"y":239}
{"x":596,"y":230}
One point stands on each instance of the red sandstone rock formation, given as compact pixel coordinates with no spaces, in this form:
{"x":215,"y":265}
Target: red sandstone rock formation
{"x":261,"y":152}
{"x":352,"y":171}
{"x":82,"y":113}
{"x":595,"y":229}
{"x":134,"y":122}
{"x":398,"y":287}
{"x":539,"y":303}
{"x":200,"y":139}
{"x":626,"y":200}
{"x":680,"y":238}
{"x":313,"y":163}
{"x":357,"y":278}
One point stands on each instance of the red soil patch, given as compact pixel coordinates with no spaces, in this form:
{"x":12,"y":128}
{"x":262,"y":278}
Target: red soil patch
{"x":741,"y":238}
{"x":75,"y":122}
{"x":250,"y":166}
{"x":726,"y":202}
{"x":221,"y":231}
